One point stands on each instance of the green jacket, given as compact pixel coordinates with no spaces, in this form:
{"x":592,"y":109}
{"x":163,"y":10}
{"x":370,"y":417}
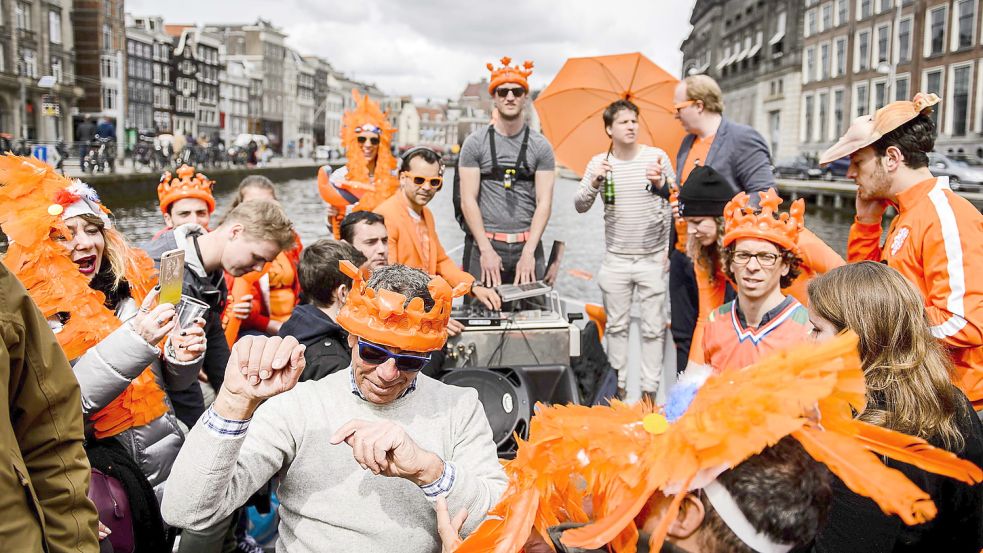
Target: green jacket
{"x":44,"y":473}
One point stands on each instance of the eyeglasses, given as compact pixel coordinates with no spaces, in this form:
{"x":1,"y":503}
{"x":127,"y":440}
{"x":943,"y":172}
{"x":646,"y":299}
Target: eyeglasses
{"x":434,"y":182}
{"x":374,"y":140}
{"x":682,"y":105}
{"x":376,"y":355}
{"x":504,"y":92}
{"x":765,"y":259}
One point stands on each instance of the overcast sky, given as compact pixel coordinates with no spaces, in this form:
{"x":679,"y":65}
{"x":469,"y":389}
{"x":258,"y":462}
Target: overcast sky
{"x":432,"y":48}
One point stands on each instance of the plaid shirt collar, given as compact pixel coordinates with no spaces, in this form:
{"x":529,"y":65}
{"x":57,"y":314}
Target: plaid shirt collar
{"x":357,"y":392}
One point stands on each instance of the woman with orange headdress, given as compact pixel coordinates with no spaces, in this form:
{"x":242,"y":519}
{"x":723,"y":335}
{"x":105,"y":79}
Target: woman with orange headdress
{"x":98,"y":295}
{"x":369,"y":177}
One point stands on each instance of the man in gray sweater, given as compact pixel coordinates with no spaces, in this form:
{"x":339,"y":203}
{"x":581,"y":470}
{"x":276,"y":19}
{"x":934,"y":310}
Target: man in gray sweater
{"x":362,"y":454}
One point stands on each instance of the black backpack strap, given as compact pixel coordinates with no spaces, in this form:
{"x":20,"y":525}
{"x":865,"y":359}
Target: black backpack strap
{"x":491,"y":145}
{"x":521,"y":158}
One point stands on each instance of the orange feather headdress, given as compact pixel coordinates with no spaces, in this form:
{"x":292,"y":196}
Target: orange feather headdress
{"x":384,"y":317}
{"x":368,"y":116}
{"x":616,"y":457}
{"x":33,"y":201}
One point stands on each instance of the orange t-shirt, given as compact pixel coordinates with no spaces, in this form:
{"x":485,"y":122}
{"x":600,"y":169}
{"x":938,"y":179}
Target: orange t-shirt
{"x":697,"y":154}
{"x":728,"y":343}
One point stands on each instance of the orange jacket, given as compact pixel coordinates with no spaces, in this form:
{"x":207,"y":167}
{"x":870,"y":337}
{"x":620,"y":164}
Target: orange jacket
{"x":817,"y":258}
{"x":729,"y":344}
{"x":936,"y":242}
{"x":405,"y":246}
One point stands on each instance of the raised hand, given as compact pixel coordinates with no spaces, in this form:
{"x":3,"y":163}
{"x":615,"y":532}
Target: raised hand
{"x":259,"y":368}
{"x":385,"y":448}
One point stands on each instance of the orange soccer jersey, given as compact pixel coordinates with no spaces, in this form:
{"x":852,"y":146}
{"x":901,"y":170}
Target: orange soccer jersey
{"x":936,"y":242}
{"x":728,"y":343}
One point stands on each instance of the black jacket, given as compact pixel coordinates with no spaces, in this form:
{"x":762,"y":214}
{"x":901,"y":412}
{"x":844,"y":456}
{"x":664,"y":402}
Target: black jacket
{"x":327,"y":343}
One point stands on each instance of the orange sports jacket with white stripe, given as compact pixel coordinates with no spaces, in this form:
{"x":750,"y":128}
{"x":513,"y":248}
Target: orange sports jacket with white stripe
{"x":936,"y":242}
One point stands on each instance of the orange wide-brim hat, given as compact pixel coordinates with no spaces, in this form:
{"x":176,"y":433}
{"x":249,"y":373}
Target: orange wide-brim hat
{"x":868,"y":129}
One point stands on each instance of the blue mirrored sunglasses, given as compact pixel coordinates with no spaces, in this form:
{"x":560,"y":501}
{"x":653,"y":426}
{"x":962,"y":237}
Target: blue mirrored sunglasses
{"x":374,"y":354}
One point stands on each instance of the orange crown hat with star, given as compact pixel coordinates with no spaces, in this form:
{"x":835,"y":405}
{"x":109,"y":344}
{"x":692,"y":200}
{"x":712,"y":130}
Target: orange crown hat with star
{"x":614,"y":458}
{"x":384,"y":317}
{"x":509,"y":74}
{"x":187,"y":184}
{"x":742,"y":220}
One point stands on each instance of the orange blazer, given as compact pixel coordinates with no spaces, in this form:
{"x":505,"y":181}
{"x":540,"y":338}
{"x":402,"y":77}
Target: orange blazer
{"x":404,"y":242}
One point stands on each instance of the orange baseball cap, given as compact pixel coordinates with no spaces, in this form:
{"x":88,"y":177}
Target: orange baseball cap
{"x":868,"y":129}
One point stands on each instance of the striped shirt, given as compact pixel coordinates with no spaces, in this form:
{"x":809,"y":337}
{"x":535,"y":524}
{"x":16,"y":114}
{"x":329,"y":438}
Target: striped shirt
{"x":638,"y":222}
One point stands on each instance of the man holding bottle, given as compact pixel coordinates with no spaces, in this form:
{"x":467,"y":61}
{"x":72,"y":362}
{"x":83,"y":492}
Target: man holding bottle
{"x":636,"y":232}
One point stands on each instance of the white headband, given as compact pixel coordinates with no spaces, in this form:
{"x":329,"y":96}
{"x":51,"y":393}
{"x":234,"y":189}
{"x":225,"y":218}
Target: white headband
{"x":734,"y":518}
{"x":87,"y":204}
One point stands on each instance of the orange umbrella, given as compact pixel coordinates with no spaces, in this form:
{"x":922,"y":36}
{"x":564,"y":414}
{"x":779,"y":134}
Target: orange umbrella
{"x":571,"y":106}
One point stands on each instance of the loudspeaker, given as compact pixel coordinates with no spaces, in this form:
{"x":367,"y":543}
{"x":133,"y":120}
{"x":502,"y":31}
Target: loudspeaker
{"x":508,"y":394}
{"x":505,"y":396}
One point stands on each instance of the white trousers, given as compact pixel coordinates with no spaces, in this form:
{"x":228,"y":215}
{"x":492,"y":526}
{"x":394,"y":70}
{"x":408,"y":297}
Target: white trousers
{"x":621,"y":277}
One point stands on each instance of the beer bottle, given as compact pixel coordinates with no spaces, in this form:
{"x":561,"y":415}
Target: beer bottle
{"x":609,"y":188}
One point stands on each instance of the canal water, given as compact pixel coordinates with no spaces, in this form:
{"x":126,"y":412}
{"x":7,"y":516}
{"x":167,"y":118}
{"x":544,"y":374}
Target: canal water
{"x":582,"y":233}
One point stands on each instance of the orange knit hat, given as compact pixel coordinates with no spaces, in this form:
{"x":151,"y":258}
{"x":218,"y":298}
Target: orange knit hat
{"x":615,"y":458}
{"x":743,"y":221}
{"x":509,"y":74}
{"x":187,"y":184}
{"x":384,"y":317}
{"x":867,"y":129}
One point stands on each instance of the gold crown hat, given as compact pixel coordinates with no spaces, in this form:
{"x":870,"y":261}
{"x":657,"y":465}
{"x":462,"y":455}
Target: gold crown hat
{"x":384,"y":317}
{"x":509,"y":74}
{"x":742,"y":220}
{"x":187,"y":184}
{"x":867,"y":129}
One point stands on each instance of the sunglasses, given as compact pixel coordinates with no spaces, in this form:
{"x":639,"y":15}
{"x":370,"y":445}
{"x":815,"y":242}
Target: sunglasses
{"x":434,"y":182}
{"x":504,"y":92}
{"x":374,"y":140}
{"x":376,"y":355}
{"x":681,"y":105}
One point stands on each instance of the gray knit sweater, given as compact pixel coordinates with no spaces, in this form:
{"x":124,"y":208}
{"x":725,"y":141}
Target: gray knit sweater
{"x":327,"y":501}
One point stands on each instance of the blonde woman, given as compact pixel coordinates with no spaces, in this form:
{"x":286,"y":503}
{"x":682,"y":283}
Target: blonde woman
{"x":908,"y":390}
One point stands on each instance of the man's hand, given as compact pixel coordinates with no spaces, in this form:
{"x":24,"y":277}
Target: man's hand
{"x":602,"y":172}
{"x":654,"y":174}
{"x":487,"y":296}
{"x":259,"y":368}
{"x":242,"y":309}
{"x":383,"y":447}
{"x":870,"y":211}
{"x":449,"y":529}
{"x":491,"y":268}
{"x":525,"y":269}
{"x":454,"y":327}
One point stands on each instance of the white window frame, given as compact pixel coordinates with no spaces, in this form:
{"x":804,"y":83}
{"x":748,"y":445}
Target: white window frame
{"x":859,"y":13}
{"x":57,"y":66}
{"x":855,"y":102}
{"x":873,"y":96}
{"x":927,"y":39}
{"x":911,"y":39}
{"x":831,"y":7}
{"x":837,"y":21}
{"x":54,"y":26}
{"x":894,"y":87}
{"x":836,"y":58}
{"x":807,"y":75}
{"x":810,"y":14}
{"x":832,"y":111}
{"x":805,"y":134}
{"x":22,"y":15}
{"x":950,"y":94}
{"x":941,"y":92}
{"x":856,"y":49}
{"x":821,"y":133}
{"x":829,"y":59}
{"x":954,"y":25}
{"x":877,"y":48}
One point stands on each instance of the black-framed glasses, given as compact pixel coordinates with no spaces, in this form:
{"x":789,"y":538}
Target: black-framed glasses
{"x":374,"y":354}
{"x":765,"y":259}
{"x":503,"y":92}
{"x":434,"y":182}
{"x":374,"y":140}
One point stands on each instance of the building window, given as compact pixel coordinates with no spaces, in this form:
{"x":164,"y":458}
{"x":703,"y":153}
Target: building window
{"x":862,"y":99}
{"x":863,"y":51}
{"x":54,"y":27}
{"x":936,"y":31}
{"x":967,"y":16}
{"x":880,"y":95}
{"x":883,"y":5}
{"x":824,"y":61}
{"x":840,"y":57}
{"x":826,"y":21}
{"x":809,"y":73}
{"x":864,"y":9}
{"x":904,"y":40}
{"x":837,"y":112}
{"x":901,"y":89}
{"x":29,"y":65}
{"x":107,"y":38}
{"x":107,"y":67}
{"x":777,"y":40}
{"x":960,"y":99}
{"x":808,"y":113}
{"x":22,"y":15}
{"x":775,"y":127}
{"x":841,"y":12}
{"x":933,"y":83}
{"x":823,"y":115}
{"x":810,"y":23}
{"x":3,"y":58}
{"x":109,"y":98}
{"x":883,"y":44}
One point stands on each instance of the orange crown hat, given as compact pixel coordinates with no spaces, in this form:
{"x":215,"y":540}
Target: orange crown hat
{"x":867,"y":129}
{"x":367,"y":116}
{"x":509,"y":74}
{"x":384,"y":317}
{"x":187,"y":184}
{"x":616,"y":457}
{"x":744,"y":221}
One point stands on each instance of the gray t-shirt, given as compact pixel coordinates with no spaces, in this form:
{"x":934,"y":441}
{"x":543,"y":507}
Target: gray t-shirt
{"x":506,"y":210}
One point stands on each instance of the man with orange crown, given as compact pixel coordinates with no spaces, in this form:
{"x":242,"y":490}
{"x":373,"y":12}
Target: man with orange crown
{"x":729,"y":465}
{"x":760,"y":256}
{"x":506,"y":173}
{"x":186,"y":198}
{"x":936,"y":241}
{"x":369,"y":177}
{"x":361,"y":453}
